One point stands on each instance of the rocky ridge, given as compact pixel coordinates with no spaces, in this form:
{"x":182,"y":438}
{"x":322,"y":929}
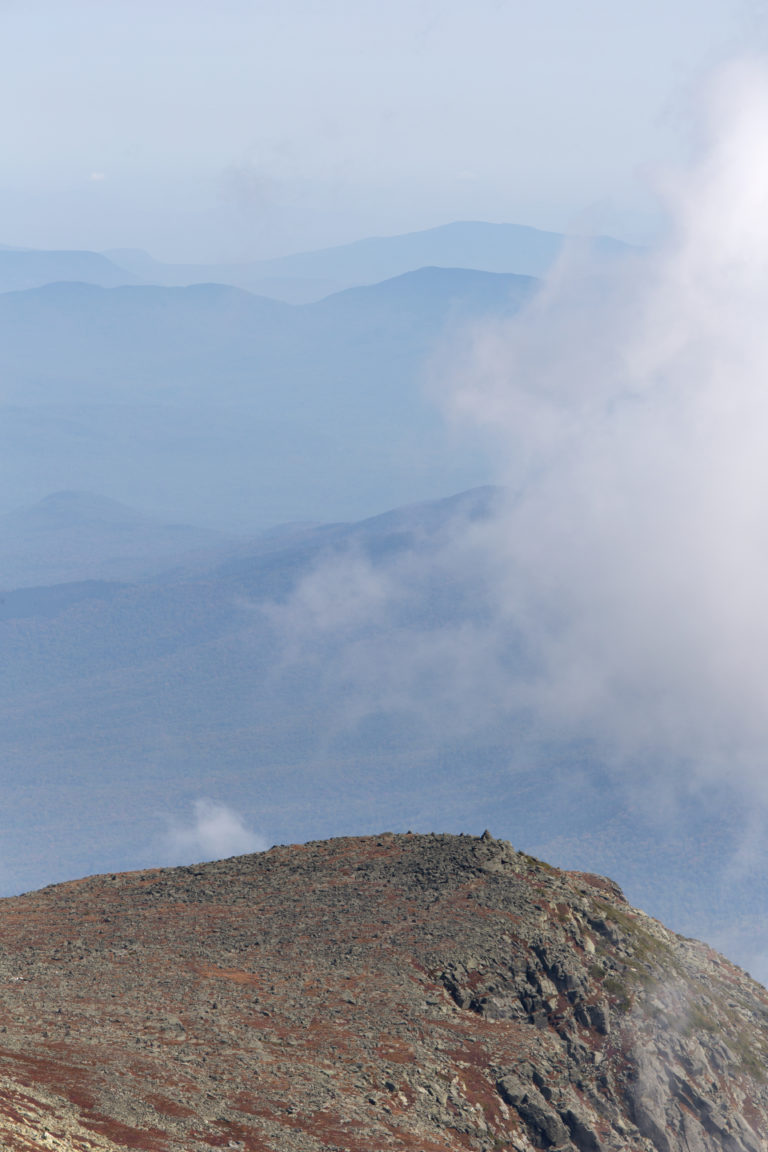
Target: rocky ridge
{"x":431,"y":993}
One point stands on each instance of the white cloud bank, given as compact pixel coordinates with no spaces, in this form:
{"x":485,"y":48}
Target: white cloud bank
{"x":631,"y":410}
{"x":621,"y":592}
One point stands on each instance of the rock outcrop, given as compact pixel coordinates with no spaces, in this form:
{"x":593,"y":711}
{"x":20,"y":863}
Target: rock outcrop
{"x":431,"y":993}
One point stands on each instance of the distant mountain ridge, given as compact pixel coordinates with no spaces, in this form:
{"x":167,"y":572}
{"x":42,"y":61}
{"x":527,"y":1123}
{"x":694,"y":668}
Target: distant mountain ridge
{"x":22,"y":268}
{"x":482,"y":246}
{"x":306,"y":276}
{"x":239,"y":401}
{"x":160,"y":337}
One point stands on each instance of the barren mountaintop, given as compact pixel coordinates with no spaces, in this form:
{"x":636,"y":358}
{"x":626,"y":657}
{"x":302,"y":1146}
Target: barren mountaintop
{"x":432,"y":993}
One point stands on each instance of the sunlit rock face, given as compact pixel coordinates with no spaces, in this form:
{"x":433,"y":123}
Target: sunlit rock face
{"x":433,"y":993}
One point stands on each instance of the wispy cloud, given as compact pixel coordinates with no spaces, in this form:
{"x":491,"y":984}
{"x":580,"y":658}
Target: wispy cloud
{"x":213,"y":832}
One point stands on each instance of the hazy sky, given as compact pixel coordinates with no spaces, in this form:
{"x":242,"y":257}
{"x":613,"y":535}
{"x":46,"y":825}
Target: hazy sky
{"x":248,"y":128}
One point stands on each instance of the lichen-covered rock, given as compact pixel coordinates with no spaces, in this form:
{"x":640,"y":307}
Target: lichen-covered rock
{"x":424,"y":993}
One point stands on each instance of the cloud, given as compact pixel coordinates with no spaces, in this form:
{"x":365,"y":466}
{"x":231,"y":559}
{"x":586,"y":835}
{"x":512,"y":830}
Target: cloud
{"x":628,"y":407}
{"x":618,"y":595}
{"x":413,"y":634}
{"x":214,"y":832}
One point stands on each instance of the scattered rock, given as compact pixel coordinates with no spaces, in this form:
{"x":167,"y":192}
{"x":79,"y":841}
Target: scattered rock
{"x":417,"y":993}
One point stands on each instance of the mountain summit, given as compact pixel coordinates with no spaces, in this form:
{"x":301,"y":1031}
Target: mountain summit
{"x":433,"y":993}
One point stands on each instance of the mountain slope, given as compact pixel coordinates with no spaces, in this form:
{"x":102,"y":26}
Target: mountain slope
{"x":431,"y":993}
{"x":71,"y":536}
{"x":463,"y":244}
{"x":22,"y":268}
{"x":67,"y":342}
{"x":290,"y":289}
{"x":470,"y":244}
{"x":219,"y":404}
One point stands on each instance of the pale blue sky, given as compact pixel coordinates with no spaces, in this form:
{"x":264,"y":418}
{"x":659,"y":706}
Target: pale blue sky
{"x":247,"y":128}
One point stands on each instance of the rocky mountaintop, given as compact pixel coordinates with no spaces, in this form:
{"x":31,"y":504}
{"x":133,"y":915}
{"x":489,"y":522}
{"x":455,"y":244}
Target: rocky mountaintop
{"x":432,"y":993}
